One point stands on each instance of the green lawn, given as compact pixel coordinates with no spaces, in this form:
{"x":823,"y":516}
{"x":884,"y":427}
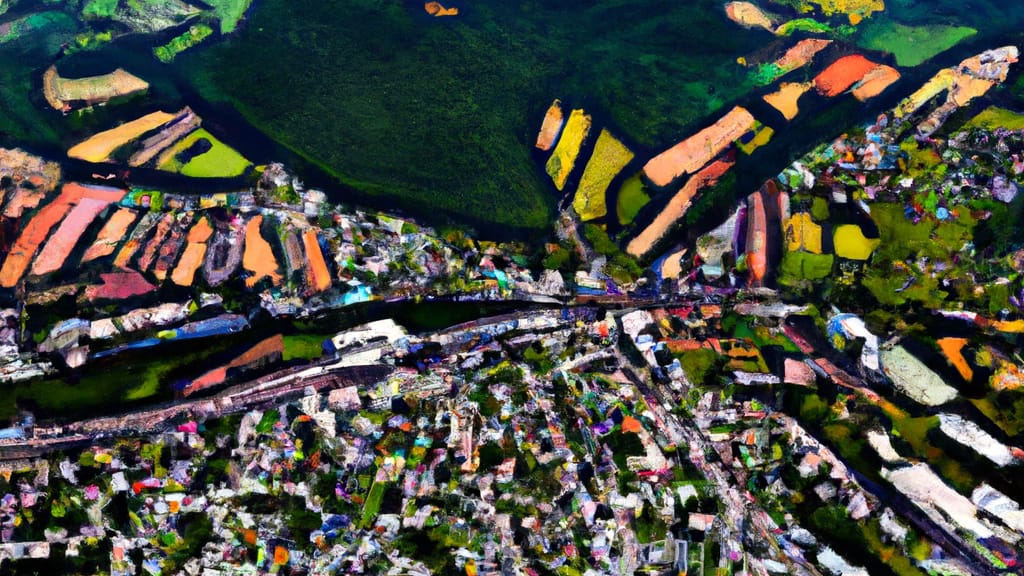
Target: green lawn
{"x":372,"y":505}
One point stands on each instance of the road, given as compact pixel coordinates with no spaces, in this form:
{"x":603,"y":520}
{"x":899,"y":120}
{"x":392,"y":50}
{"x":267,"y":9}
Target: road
{"x":742,"y":515}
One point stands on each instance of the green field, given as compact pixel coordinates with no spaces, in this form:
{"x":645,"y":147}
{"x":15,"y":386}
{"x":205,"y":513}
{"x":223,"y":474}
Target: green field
{"x":139,"y":375}
{"x":303,"y":346}
{"x":994,"y":117}
{"x":911,"y":45}
{"x":805,"y":266}
{"x":99,"y":8}
{"x":220,"y":161}
{"x":632,"y":199}
{"x":372,"y":505}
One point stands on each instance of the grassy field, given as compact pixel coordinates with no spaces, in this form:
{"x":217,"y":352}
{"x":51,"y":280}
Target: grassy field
{"x":994,"y":117}
{"x":304,"y":346}
{"x":220,"y":161}
{"x":632,"y":199}
{"x":911,"y":45}
{"x":804,"y":266}
{"x":373,"y":502}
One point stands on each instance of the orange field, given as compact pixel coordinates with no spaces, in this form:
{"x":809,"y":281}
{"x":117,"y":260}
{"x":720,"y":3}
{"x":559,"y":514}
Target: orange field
{"x":757,"y":242}
{"x":953,"y":349}
{"x":273,"y":346}
{"x":184,"y":274}
{"x":317,"y":275}
{"x":111,"y":235}
{"x":552,"y":125}
{"x":875,"y":82}
{"x":842,"y":74}
{"x":696,"y":151}
{"x":786,"y":99}
{"x":676,"y":208}
{"x":259,"y":257}
{"x":102,"y":145}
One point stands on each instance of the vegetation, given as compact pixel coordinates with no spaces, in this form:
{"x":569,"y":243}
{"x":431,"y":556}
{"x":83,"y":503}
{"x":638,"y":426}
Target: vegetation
{"x":994,"y":117}
{"x":699,"y":365}
{"x":911,"y":45}
{"x":440,"y":115}
{"x":139,"y":376}
{"x":194,"y":35}
{"x":1005,"y":409}
{"x":632,"y":199}
{"x":303,"y":346}
{"x":557,"y":259}
{"x":813,"y":409}
{"x":219,"y":161}
{"x":798,"y":266}
{"x":819,"y":209}
{"x":621,"y":267}
{"x":712,"y":200}
{"x":373,"y":502}
{"x":229,"y":12}
{"x":803,"y":25}
{"x":99,"y":8}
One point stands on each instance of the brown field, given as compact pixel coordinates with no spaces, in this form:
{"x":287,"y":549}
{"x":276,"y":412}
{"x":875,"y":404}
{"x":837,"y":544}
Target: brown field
{"x":38,"y":228}
{"x":163,"y":228}
{"x":61,"y":93}
{"x":62,"y":242}
{"x":801,"y":54}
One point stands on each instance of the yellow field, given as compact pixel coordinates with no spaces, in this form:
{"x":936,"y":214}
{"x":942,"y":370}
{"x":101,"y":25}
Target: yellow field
{"x":609,"y":158}
{"x":563,"y":159}
{"x":99,"y":147}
